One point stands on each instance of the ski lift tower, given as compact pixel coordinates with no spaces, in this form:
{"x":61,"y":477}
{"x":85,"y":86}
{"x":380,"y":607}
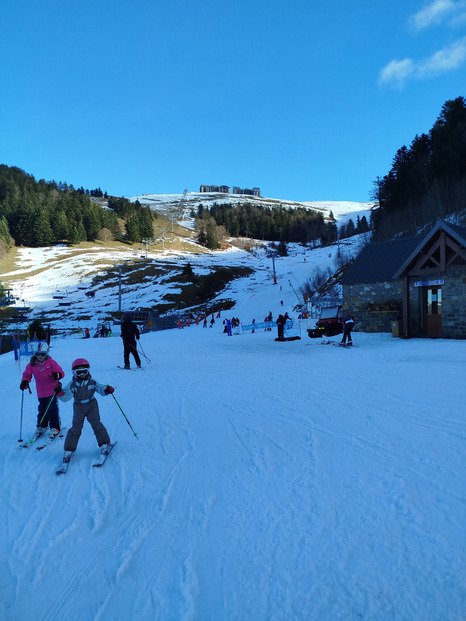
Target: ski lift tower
{"x":119,"y":267}
{"x":147,"y":243}
{"x":179,"y":214}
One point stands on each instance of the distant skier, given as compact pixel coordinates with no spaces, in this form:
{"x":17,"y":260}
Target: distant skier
{"x":83,"y":388}
{"x":348,"y":322}
{"x":46,"y":372}
{"x":280,"y":326}
{"x":129,"y":334}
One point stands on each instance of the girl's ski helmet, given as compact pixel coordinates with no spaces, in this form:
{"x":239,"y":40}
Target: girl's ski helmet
{"x":80,"y":362}
{"x":80,"y":367}
{"x":41,"y":349}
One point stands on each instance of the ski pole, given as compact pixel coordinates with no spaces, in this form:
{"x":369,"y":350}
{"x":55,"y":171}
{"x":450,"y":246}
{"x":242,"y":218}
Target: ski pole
{"x":143,"y":353}
{"x":21,"y":419}
{"x":134,"y":433}
{"x":46,"y":410}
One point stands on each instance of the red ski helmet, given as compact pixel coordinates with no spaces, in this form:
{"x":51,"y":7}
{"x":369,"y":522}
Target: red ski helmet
{"x":80,"y":362}
{"x":80,"y":368}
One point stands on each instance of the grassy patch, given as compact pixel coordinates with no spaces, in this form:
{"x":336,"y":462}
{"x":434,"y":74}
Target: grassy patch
{"x":202,"y":289}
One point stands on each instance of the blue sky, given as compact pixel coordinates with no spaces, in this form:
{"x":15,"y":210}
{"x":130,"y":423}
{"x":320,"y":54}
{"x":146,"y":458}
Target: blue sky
{"x":307,"y":100}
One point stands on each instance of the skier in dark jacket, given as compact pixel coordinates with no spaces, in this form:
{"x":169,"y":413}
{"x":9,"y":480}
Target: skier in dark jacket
{"x":280,"y":326}
{"x":348,"y":322}
{"x":129,"y":334}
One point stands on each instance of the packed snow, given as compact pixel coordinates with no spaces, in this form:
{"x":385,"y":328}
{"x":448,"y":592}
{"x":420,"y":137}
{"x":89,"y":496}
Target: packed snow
{"x":268,"y":480}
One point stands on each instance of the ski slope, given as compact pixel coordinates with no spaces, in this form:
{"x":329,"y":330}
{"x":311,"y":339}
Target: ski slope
{"x":268,"y":481}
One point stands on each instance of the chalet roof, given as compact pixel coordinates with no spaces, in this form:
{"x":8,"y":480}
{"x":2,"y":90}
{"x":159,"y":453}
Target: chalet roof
{"x":458,"y":233}
{"x":380,"y":260}
{"x":383,"y":261}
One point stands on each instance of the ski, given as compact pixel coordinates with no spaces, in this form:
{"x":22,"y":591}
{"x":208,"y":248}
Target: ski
{"x":344,"y":346}
{"x":130,"y":369}
{"x":50,"y":439}
{"x":63,"y":469}
{"x":34,"y":438}
{"x":103,"y":458}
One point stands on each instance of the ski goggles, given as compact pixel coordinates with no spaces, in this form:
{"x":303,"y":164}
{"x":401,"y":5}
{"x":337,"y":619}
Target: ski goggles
{"x":80,"y":371}
{"x":40,"y":354}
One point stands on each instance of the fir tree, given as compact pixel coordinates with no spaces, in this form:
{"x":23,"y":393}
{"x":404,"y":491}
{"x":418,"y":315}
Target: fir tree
{"x":5,"y":232}
{"x":43,"y":234}
{"x":133,"y":233}
{"x":211,"y":240}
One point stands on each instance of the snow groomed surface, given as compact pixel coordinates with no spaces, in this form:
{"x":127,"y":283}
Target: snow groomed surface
{"x":270,"y":481}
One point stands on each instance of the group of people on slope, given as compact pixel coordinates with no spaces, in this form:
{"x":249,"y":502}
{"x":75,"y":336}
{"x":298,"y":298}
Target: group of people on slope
{"x":48,"y":374}
{"x":230,"y":324}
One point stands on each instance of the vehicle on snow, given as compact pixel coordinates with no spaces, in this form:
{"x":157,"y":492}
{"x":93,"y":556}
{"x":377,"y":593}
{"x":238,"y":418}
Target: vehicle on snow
{"x":328,"y":324}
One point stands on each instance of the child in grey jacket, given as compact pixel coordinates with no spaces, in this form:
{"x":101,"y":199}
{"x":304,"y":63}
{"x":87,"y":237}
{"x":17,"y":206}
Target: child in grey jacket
{"x":83,"y":388}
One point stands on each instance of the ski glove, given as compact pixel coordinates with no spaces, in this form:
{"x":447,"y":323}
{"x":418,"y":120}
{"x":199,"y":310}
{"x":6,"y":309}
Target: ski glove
{"x":24,"y":385}
{"x":109,"y":390}
{"x":58,"y":389}
{"x":56,"y":375}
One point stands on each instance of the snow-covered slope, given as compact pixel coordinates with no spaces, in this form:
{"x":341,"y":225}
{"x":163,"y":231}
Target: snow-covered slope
{"x":341,"y":210}
{"x":269,"y":481}
{"x":46,"y":278}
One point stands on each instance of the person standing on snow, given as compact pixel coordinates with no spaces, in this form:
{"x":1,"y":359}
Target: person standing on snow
{"x":83,"y":388}
{"x":129,"y":334}
{"x":280,"y":326}
{"x":46,"y":373}
{"x":348,"y":322}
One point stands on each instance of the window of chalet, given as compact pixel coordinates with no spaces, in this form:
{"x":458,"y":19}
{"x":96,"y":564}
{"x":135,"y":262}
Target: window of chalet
{"x":433,"y":301}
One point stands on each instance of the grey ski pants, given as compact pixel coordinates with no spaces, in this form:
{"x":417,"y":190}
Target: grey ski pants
{"x":81,"y":411}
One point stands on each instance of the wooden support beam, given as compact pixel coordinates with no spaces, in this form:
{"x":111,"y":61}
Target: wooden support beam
{"x":406,"y":306}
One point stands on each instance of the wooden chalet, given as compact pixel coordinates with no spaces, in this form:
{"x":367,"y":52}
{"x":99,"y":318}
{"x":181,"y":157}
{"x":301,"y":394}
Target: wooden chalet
{"x":412,"y":286}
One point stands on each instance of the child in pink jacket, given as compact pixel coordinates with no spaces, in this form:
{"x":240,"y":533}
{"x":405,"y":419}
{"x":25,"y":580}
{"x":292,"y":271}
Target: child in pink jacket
{"x":46,"y":372}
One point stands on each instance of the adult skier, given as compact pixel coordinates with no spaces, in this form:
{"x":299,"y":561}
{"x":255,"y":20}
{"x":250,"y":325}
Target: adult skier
{"x":281,"y":323}
{"x":280,"y":326}
{"x":129,"y":334}
{"x":348,"y":322}
{"x":83,"y":388}
{"x":46,"y":373}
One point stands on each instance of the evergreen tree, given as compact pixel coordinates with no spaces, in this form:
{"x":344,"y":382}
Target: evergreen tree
{"x":211,"y":240}
{"x":60,"y":226}
{"x":188,"y":272}
{"x":74,"y":235}
{"x":5,"y":231}
{"x":202,"y":237}
{"x":133,"y":233}
{"x":350,"y":228}
{"x":363,"y":226}
{"x":22,"y":225}
{"x":146,"y":226}
{"x":92,"y":223}
{"x":43,"y":234}
{"x":426,"y":180}
{"x":282,"y":249}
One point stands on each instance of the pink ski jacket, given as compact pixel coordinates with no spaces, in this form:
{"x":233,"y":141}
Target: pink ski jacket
{"x":43,"y":374}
